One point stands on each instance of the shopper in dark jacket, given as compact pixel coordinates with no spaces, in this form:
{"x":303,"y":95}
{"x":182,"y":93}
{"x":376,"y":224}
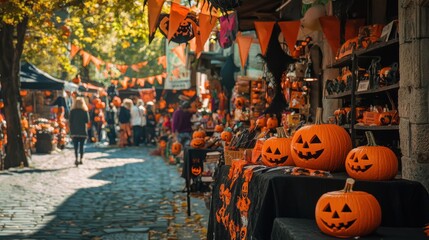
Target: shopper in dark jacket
{"x":78,"y":121}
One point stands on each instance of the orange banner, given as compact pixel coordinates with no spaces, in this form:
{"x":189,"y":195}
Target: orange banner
{"x":163,"y":61}
{"x":73,"y":51}
{"x":97,"y":62}
{"x":137,"y":66}
{"x":159,"y":79}
{"x":290,"y":31}
{"x":263,"y":31}
{"x":207,"y":23}
{"x":151,"y":80}
{"x":244,"y":43}
{"x":180,"y":53}
{"x":331,"y":29}
{"x":154,"y":7}
{"x":178,"y":13}
{"x":122,"y":68}
{"x":86,"y":58}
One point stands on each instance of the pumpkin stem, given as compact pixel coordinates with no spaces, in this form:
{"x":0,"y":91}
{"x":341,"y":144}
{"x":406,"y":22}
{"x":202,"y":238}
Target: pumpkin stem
{"x":370,"y":138}
{"x":349,"y":185}
{"x":319,"y":112}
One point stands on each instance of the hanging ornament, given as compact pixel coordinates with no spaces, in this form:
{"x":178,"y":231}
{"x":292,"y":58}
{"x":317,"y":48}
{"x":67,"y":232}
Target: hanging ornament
{"x":184,"y":33}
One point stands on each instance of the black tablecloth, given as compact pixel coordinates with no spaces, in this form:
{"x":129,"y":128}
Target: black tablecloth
{"x":299,"y":229}
{"x":275,"y":194}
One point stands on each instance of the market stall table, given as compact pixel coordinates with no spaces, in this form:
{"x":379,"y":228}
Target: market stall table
{"x":275,"y":194}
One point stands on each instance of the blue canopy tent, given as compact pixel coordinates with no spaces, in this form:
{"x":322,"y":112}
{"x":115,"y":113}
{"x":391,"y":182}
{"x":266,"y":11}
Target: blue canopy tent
{"x":36,"y":79}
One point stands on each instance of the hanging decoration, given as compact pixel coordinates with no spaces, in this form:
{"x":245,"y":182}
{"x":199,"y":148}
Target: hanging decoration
{"x":331,"y":29}
{"x":263,"y":31}
{"x":137,"y":66}
{"x":178,"y":14}
{"x":244,"y":43}
{"x":74,"y":50}
{"x":290,"y":31}
{"x":228,"y":30}
{"x":97,"y":62}
{"x":154,"y":7}
{"x":184,"y":33}
{"x":223,"y":5}
{"x":86,"y":58}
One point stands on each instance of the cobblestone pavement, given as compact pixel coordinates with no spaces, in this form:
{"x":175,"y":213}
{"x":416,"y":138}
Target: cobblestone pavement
{"x":115,"y":194}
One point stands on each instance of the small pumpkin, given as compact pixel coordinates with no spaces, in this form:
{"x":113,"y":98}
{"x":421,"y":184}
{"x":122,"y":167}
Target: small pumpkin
{"x":372,"y":162}
{"x":239,"y":102}
{"x":199,"y":134}
{"x":162,"y":144}
{"x":226,"y":136}
{"x":198,"y":143}
{"x":321,"y":146}
{"x":23,"y":93}
{"x":276,"y":152}
{"x":218,"y":128}
{"x":272,"y":122}
{"x":196,"y":171}
{"x":176,"y":148}
{"x":347,"y":213}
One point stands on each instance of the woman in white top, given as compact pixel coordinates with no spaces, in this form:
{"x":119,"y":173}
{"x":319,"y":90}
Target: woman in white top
{"x":137,"y":120}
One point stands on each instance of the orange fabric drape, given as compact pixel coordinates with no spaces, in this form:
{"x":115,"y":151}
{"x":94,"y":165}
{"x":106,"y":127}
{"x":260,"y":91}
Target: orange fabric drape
{"x":178,"y":13}
{"x":154,"y":7}
{"x":352,"y":28}
{"x":263,"y":31}
{"x":244,"y":43}
{"x":331,"y":29}
{"x":290,"y":31}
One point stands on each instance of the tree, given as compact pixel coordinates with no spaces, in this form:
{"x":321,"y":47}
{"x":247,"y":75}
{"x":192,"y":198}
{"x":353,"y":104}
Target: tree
{"x":35,"y":30}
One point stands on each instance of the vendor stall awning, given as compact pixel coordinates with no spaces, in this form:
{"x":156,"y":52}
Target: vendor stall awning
{"x":36,"y":79}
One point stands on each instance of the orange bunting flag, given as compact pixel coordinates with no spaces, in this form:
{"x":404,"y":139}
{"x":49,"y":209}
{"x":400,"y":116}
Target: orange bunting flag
{"x":164,"y":75}
{"x":290,"y":31}
{"x":163,"y":61}
{"x":331,"y":29}
{"x":140,"y":82}
{"x":124,"y":82}
{"x":244,"y":44}
{"x":180,"y":53}
{"x":109,"y":66}
{"x":133,"y":82}
{"x":74,"y":50}
{"x":154,"y":7}
{"x":178,"y":13}
{"x":114,"y":82}
{"x":137,"y":66}
{"x":207,"y":23}
{"x":97,"y":62}
{"x":86,"y":58}
{"x":151,"y":80}
{"x":122,"y":68}
{"x":263,"y":31}
{"x":159,"y":79}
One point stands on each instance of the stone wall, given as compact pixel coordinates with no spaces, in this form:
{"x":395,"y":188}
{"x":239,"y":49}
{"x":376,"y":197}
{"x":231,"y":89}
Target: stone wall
{"x":414,"y":89}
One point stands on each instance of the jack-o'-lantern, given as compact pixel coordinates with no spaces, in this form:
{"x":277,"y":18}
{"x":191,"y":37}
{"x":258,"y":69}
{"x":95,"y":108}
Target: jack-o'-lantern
{"x":184,"y":33}
{"x":239,"y":102}
{"x":162,"y":144}
{"x":347,"y":213}
{"x":226,"y":136}
{"x":277,"y":152}
{"x":196,"y":171}
{"x":23,"y":93}
{"x":218,"y":128}
{"x":176,"y":148}
{"x":272,"y":122}
{"x":372,"y":162}
{"x":198,"y":143}
{"x":199,"y":134}
{"x":321,"y":146}
{"x":76,"y":80}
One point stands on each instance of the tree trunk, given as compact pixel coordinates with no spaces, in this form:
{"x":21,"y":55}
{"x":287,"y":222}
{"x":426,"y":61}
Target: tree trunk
{"x":11,"y":47}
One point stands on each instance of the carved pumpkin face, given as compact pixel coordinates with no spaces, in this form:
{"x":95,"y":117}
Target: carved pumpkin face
{"x":176,"y":148}
{"x":347,"y":214}
{"x":162,"y":144}
{"x":218,"y":128}
{"x":184,"y":33}
{"x":372,"y":163}
{"x":226,"y":136}
{"x":321,"y":146}
{"x":198,"y":143}
{"x":196,"y":171}
{"x":277,"y":152}
{"x":199,"y":134}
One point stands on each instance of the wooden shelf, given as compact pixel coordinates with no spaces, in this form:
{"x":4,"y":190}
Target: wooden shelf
{"x":377,"y":90}
{"x":338,"y":95}
{"x":377,"y":128}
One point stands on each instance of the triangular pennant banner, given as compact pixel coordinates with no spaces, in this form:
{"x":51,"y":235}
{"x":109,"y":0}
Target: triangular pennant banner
{"x":151,"y":80}
{"x":159,"y":79}
{"x":97,"y":62}
{"x":163,"y":61}
{"x":133,"y":82}
{"x":331,"y":29}
{"x":263,"y":31}
{"x":180,"y":53}
{"x":154,"y":7}
{"x":86,"y":58}
{"x":207,"y":23}
{"x":140,"y":82}
{"x":244,"y":43}
{"x":122,"y":68}
{"x":178,"y":13}
{"x":73,"y":51}
{"x":137,"y":66}
{"x":290,"y":31}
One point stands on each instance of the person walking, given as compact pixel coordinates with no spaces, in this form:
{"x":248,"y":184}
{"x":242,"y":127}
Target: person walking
{"x":181,"y":124}
{"x":78,"y":120}
{"x":124,"y":123}
{"x":137,"y":115}
{"x":150,"y":124}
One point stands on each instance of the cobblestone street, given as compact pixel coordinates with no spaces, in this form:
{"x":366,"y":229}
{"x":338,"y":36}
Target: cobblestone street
{"x":115,"y":194}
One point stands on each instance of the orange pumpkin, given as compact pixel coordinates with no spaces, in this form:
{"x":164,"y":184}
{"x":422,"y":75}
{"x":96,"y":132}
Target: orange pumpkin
{"x":176,"y":148}
{"x":29,"y":108}
{"x":198,"y":143}
{"x":276,"y":152}
{"x":218,"y":128}
{"x":199,"y":134}
{"x":54,"y":110}
{"x":196,"y":171}
{"x":76,"y":80}
{"x":47,"y":93}
{"x":347,"y":213}
{"x":162,"y":144}
{"x":321,"y":146}
{"x":372,"y":162}
{"x":226,"y":136}
{"x":23,"y":93}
